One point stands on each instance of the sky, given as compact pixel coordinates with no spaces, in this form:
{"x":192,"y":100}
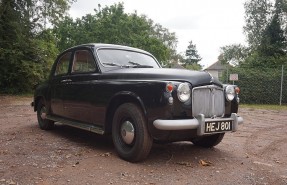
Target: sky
{"x":210,"y":24}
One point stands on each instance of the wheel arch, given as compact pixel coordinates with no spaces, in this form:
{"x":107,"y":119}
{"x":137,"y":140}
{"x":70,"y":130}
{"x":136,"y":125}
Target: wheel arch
{"x":37,"y":99}
{"x":117,"y":100}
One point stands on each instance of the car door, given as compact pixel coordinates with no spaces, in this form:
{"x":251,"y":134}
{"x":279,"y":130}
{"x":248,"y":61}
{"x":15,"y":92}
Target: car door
{"x":79,"y":94}
{"x":59,"y":78}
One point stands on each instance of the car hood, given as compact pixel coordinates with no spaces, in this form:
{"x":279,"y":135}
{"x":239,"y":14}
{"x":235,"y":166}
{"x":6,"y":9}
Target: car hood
{"x":196,"y":78}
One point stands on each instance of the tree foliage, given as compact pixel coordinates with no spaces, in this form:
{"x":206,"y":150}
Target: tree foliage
{"x":26,"y":52}
{"x":32,"y":32}
{"x":49,"y":11}
{"x":191,"y":53}
{"x":112,"y":25}
{"x":194,"y":66}
{"x":266,"y":32}
{"x":233,"y":54}
{"x":272,"y":48}
{"x":191,"y":58}
{"x":257,"y":17}
{"x":273,"y":41}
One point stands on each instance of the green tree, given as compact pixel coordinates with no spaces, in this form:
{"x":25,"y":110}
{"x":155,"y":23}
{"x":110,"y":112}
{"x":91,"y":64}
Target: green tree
{"x":191,"y":56}
{"x":46,"y":12}
{"x":112,"y":25}
{"x":193,"y":66}
{"x":233,"y":54}
{"x":26,"y":51}
{"x":266,"y":33}
{"x":257,"y":17}
{"x":13,"y":32}
{"x":167,"y":37}
{"x":274,"y":42}
{"x":66,"y":32}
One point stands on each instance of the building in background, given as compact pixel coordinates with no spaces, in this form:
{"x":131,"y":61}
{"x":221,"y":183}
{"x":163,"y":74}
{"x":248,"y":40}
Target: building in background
{"x":216,"y":69}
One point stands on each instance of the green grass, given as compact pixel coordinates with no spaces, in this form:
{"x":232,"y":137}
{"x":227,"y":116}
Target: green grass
{"x":266,"y":107}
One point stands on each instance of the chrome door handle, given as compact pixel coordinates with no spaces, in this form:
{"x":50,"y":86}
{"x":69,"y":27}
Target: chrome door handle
{"x":66,"y":80}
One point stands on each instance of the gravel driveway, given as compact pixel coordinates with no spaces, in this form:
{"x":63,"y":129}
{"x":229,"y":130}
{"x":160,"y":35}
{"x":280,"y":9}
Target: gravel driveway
{"x":256,"y":154}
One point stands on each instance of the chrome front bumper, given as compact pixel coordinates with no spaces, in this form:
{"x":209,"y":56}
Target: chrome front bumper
{"x":196,"y":123}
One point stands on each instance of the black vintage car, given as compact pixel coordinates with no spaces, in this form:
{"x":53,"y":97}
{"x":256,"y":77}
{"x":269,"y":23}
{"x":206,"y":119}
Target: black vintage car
{"x":123,"y":91}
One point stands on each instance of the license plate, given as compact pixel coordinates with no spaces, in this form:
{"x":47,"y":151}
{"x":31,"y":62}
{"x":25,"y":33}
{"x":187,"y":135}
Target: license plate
{"x":217,"y":126}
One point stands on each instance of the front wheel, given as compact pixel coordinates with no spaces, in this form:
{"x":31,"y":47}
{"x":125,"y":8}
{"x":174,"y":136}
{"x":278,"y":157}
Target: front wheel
{"x":43,"y":122}
{"x":208,"y":141}
{"x":130,"y":134}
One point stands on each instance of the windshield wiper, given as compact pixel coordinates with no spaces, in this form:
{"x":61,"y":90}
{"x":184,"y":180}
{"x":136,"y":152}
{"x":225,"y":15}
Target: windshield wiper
{"x":112,"y":64}
{"x":117,"y":65}
{"x":134,"y":65}
{"x":143,"y":66}
{"x":137,"y":65}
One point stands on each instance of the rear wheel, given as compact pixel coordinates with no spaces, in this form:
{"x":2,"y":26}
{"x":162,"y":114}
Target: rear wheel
{"x":43,"y":122}
{"x":130,"y":134}
{"x":208,"y":141}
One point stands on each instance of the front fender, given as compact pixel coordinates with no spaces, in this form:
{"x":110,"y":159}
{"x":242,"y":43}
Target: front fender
{"x":129,"y":94}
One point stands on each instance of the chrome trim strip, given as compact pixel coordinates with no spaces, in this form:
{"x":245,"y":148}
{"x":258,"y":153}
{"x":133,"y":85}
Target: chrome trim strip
{"x":80,"y":125}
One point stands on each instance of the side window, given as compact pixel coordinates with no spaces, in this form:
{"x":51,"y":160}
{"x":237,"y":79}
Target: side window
{"x":83,"y":62}
{"x":63,"y":64}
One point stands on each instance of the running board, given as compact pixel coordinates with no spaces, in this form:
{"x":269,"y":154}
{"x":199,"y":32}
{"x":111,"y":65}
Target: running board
{"x":80,"y":125}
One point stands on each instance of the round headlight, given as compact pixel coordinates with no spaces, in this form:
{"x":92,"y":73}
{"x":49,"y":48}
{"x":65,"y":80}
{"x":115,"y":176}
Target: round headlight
{"x":183,"y":92}
{"x":229,"y":92}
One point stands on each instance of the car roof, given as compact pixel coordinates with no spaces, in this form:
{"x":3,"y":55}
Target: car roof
{"x":113,"y":46}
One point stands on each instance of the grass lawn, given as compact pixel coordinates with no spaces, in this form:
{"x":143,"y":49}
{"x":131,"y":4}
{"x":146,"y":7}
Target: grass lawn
{"x":266,"y":107}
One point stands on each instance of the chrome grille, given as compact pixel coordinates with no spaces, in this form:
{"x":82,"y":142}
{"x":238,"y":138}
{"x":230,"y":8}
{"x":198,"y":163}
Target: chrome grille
{"x":208,"y":100}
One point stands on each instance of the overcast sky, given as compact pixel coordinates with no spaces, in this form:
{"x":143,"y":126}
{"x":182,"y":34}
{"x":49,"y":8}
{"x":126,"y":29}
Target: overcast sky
{"x":210,"y":24}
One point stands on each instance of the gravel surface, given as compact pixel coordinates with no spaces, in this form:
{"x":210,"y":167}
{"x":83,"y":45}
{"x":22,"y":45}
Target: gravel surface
{"x":256,"y":154}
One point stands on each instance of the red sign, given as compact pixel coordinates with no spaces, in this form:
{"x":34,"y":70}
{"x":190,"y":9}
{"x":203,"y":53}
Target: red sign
{"x":233,"y":77}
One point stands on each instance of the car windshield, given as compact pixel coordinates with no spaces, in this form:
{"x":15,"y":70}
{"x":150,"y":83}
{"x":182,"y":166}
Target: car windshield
{"x":125,"y":58}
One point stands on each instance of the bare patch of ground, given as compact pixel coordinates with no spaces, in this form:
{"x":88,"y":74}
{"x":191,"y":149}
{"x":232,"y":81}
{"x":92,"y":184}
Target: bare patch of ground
{"x":256,"y":154}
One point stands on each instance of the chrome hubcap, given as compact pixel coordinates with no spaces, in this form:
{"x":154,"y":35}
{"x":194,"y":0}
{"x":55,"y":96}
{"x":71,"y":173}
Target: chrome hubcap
{"x":127,"y":132}
{"x":43,"y":113}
